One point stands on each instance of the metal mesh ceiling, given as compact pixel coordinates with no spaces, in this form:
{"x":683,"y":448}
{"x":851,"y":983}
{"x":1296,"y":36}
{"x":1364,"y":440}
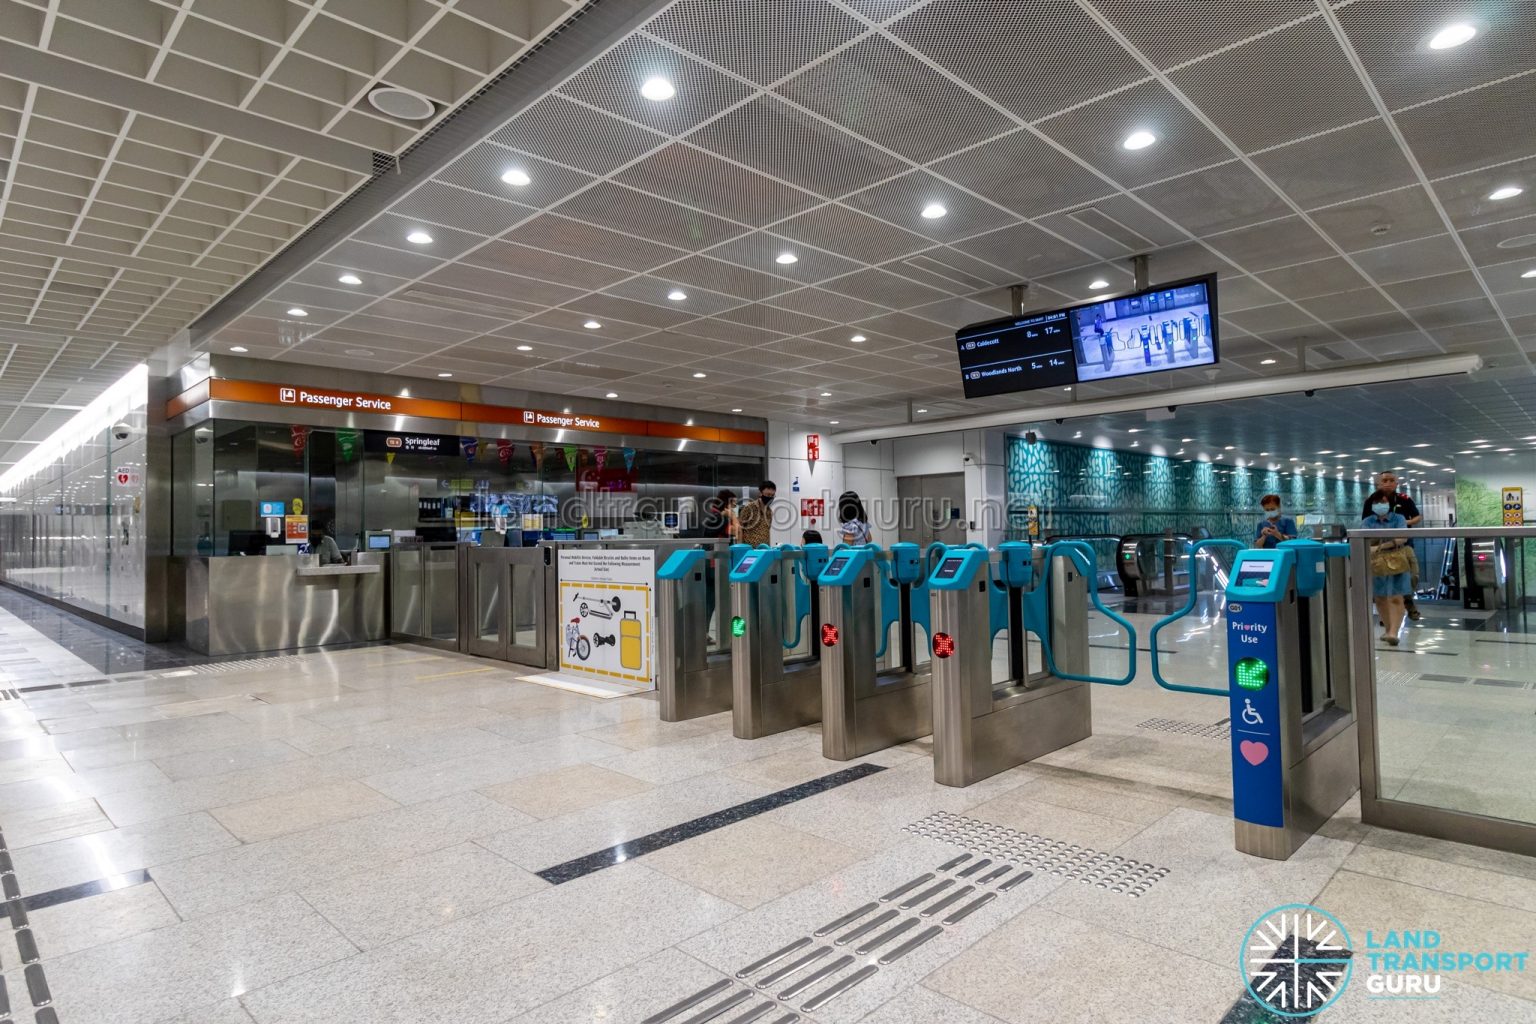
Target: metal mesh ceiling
{"x":1333,"y":169}
{"x":155,"y":152}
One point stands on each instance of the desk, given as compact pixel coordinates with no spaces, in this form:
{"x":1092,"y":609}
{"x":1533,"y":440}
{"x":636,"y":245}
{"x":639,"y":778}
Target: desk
{"x":254,"y":604}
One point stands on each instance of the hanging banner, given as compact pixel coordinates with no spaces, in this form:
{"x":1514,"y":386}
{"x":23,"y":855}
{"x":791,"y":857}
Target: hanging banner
{"x":629,"y":459}
{"x":346,"y":440}
{"x":300,"y":437}
{"x":469,"y":446}
{"x":570,"y":457}
{"x":389,"y":458}
{"x":600,"y":455}
{"x":504,"y":451}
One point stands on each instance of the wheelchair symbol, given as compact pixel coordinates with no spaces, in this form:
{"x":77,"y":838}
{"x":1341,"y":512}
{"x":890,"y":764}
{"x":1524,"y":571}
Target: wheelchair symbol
{"x":1250,"y":716}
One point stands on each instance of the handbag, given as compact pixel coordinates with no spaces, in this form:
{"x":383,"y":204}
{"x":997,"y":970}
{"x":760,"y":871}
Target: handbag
{"x":1389,"y":561}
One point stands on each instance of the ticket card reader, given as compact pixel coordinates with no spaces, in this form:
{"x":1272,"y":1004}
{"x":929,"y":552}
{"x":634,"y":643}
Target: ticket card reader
{"x":693,"y":676}
{"x":864,"y":591}
{"x":770,"y":693}
{"x":1295,"y":756}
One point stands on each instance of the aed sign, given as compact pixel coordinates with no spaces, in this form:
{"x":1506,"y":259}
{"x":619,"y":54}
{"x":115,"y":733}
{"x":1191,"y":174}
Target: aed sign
{"x":812,"y":447}
{"x":125,"y":476}
{"x":1514,"y":506}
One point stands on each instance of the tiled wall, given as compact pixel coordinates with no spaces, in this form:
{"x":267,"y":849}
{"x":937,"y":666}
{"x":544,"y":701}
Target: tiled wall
{"x":1082,"y":490}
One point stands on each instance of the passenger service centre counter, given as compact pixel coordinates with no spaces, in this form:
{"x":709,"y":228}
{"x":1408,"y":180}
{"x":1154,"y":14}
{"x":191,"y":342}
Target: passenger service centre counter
{"x":264,"y":457}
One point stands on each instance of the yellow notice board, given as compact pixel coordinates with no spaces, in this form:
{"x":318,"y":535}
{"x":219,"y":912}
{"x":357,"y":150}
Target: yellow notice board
{"x":1514,"y":506}
{"x":607,"y":627}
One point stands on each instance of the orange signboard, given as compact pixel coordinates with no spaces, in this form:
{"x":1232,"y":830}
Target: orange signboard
{"x":300,"y":397}
{"x":262,"y":393}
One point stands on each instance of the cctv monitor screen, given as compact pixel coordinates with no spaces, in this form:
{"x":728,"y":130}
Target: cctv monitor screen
{"x":1170,"y":327}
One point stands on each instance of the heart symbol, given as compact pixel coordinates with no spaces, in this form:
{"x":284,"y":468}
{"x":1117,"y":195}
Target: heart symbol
{"x":1253,"y":752}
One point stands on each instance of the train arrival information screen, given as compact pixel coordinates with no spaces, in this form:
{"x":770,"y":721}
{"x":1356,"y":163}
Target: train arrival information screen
{"x":1169,"y":327}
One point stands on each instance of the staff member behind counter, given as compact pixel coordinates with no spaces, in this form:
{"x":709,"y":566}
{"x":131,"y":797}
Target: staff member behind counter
{"x":323,"y":546}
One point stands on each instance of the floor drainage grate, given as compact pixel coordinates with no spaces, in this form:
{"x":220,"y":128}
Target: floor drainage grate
{"x":1218,"y":731}
{"x":244,"y":665}
{"x":1104,"y":870}
{"x":847,"y":951}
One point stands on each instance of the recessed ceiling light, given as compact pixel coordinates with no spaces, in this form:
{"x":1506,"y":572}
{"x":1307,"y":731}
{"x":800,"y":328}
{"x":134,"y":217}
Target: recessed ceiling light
{"x":700,"y":376}
{"x":350,"y":279}
{"x":1139,"y":140}
{"x":1066,"y":389}
{"x":922,"y":410}
{"x":419,"y":238}
{"x":826,"y":394}
{"x":1424,"y":445}
{"x":525,"y":348}
{"x":612,"y":394}
{"x":1266,"y":362}
{"x":401,"y":103}
{"x":1134,"y":430}
{"x":238,"y":348}
{"x":858,"y":338}
{"x":1098,"y":283}
{"x":1451,"y":36}
{"x":735,"y":410}
{"x":1262,"y":454}
{"x":657,"y":89}
{"x":1186,"y":440}
{"x":677,"y":295}
{"x":834,"y":422}
{"x":591,"y":325}
{"x":1507,"y":192}
{"x":1480,"y":440}
{"x":786,"y":258}
{"x":933,"y":211}
{"x":445,"y":375}
{"x":296,"y":311}
{"x":1230,"y":447}
{"x":1529,"y":273}
{"x":516,"y":176}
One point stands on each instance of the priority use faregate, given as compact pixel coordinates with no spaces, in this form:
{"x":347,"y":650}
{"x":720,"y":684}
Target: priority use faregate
{"x":1295,"y":756}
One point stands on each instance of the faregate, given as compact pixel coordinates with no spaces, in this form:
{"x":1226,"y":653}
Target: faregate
{"x":864,"y":593}
{"x":772,"y":693}
{"x":991,"y":712}
{"x":1295,"y":756}
{"x":693,"y":669}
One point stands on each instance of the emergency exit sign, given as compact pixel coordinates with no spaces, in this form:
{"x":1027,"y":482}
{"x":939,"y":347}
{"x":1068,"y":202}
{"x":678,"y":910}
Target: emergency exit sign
{"x":1514,"y":506}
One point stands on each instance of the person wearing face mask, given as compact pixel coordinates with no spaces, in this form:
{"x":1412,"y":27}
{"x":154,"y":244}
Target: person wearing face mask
{"x":1274,"y":527}
{"x":1386,"y":483}
{"x":1390,"y":576}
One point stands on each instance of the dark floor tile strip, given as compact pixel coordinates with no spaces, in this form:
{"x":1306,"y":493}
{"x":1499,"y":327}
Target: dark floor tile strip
{"x":70,"y":893}
{"x":571,"y":870}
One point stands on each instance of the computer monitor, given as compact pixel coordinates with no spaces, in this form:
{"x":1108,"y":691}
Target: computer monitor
{"x":247,"y":542}
{"x":378,"y":542}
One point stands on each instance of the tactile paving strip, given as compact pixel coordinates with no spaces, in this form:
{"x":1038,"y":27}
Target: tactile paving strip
{"x":842,"y":954}
{"x":1218,"y":731}
{"x":30,"y":980}
{"x":1042,"y":853}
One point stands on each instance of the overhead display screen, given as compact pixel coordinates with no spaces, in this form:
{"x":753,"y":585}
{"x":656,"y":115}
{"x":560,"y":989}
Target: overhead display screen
{"x":1172,"y":326}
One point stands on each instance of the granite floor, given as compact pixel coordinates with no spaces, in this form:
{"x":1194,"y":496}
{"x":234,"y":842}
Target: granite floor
{"x":395,"y":834}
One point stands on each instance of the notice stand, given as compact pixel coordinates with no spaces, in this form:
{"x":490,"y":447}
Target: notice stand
{"x":607,"y":621}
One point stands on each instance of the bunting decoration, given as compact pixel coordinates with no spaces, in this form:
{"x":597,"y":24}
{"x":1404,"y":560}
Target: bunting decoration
{"x":629,"y":459}
{"x":570,"y":457}
{"x":504,"y":451}
{"x":346,"y":440}
{"x":536,"y":449}
{"x":600,"y":456}
{"x":300,"y":437}
{"x":469,"y":446}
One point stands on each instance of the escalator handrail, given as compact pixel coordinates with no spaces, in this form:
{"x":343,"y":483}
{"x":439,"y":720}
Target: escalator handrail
{"x":1189,"y":606}
{"x":1086,"y":561}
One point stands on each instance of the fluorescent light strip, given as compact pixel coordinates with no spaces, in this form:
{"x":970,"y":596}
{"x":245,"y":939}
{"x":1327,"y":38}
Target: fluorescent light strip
{"x":113,"y":404}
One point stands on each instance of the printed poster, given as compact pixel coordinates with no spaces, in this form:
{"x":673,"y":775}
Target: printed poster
{"x":607,"y":631}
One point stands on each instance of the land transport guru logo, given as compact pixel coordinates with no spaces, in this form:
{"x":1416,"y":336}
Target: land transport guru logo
{"x":1297,"y":959}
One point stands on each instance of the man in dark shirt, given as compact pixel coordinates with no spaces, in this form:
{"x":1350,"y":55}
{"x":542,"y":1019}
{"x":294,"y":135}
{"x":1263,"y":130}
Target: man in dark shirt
{"x":1386,"y":482}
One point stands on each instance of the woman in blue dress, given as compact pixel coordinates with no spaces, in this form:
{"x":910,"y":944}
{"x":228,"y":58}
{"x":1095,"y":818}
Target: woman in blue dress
{"x":1388,"y":590}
